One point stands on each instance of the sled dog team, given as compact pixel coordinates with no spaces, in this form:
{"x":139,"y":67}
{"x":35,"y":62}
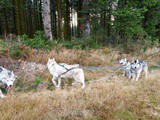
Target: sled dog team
{"x":134,"y":68}
{"x":63,"y":70}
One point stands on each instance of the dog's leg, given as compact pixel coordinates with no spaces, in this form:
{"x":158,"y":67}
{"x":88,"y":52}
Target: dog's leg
{"x":59,"y":82}
{"x":146,"y":71}
{"x":138,"y":74}
{"x":130,"y":74}
{"x":54,"y":80}
{"x":83,"y":85}
{"x":124,"y":72}
{"x":133,"y":76}
{"x":1,"y":95}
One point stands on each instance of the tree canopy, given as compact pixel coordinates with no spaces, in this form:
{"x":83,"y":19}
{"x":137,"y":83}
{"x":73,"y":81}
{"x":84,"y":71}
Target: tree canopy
{"x":106,"y":21}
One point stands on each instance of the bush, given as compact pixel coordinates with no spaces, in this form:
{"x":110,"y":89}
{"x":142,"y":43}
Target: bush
{"x":38,"y":41}
{"x":3,"y":47}
{"x":84,"y":43}
{"x":16,"y":50}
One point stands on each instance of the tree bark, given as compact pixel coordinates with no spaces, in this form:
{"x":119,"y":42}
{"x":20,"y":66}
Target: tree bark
{"x":40,"y":15}
{"x":5,"y":21}
{"x":18,"y":28}
{"x":47,"y":19}
{"x":80,"y":19}
{"x":23,"y":18}
{"x":59,"y":9}
{"x":67,"y":26}
{"x":87,"y":30}
{"x":54,"y":18}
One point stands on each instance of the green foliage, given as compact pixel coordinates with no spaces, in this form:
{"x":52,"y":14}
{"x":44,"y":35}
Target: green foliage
{"x":37,"y":80}
{"x":129,"y":20}
{"x":154,"y":100}
{"x":85,"y":43}
{"x":124,"y":115}
{"x":38,"y":41}
{"x":2,"y":47}
{"x":16,"y":51}
{"x":98,"y":34}
{"x":134,"y":22}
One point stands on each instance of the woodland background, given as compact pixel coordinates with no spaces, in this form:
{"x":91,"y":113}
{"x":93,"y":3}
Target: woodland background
{"x":88,"y":22}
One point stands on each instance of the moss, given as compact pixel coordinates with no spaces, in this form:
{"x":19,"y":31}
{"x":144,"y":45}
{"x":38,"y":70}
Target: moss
{"x":124,"y":115}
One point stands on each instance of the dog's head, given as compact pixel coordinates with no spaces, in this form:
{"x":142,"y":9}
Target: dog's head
{"x":123,"y":61}
{"x":51,"y":61}
{"x":9,"y":80}
{"x":135,"y":65}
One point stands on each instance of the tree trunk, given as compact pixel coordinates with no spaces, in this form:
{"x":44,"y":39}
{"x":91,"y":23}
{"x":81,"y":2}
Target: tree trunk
{"x":54,"y":18}
{"x":30,"y":19}
{"x":14,"y":18}
{"x":5,"y":21}
{"x":47,"y":19}
{"x":67,"y":26}
{"x":87,"y":30}
{"x":80,"y":19}
{"x":40,"y":15}
{"x":59,"y":9}
{"x":23,"y":18}
{"x":18,"y":28}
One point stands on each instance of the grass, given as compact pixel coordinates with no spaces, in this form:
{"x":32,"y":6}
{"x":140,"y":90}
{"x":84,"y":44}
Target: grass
{"x":117,"y":98}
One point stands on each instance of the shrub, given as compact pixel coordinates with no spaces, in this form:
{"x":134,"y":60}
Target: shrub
{"x":16,"y":50}
{"x":3,"y":47}
{"x":38,"y":41}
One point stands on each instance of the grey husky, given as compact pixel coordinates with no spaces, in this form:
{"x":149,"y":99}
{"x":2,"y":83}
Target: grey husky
{"x":6,"y":79}
{"x":126,"y":66}
{"x":137,"y":67}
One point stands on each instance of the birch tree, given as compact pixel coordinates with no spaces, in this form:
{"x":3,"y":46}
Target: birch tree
{"x":47,"y":19}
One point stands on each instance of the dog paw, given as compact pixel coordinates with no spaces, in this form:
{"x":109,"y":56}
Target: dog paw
{"x":3,"y":96}
{"x":57,"y":86}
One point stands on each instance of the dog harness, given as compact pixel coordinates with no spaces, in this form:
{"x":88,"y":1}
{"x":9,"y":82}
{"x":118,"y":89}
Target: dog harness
{"x":67,"y":70}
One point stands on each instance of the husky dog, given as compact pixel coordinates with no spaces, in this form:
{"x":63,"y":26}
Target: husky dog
{"x":127,"y":67}
{"x":63,"y":70}
{"x":137,"y":67}
{"x":6,"y":79}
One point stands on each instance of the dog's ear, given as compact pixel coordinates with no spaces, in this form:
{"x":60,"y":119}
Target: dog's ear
{"x":137,"y":61}
{"x":133,"y":61}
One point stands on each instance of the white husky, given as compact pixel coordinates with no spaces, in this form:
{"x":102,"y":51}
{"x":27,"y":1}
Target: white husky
{"x":6,"y":79}
{"x":63,"y":70}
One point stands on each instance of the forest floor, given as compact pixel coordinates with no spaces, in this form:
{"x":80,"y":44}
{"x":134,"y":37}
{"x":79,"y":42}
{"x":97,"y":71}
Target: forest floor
{"x":117,"y":98}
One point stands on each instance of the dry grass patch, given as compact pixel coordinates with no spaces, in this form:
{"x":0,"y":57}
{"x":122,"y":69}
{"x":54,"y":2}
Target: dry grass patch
{"x":117,"y":98}
{"x":87,"y":58}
